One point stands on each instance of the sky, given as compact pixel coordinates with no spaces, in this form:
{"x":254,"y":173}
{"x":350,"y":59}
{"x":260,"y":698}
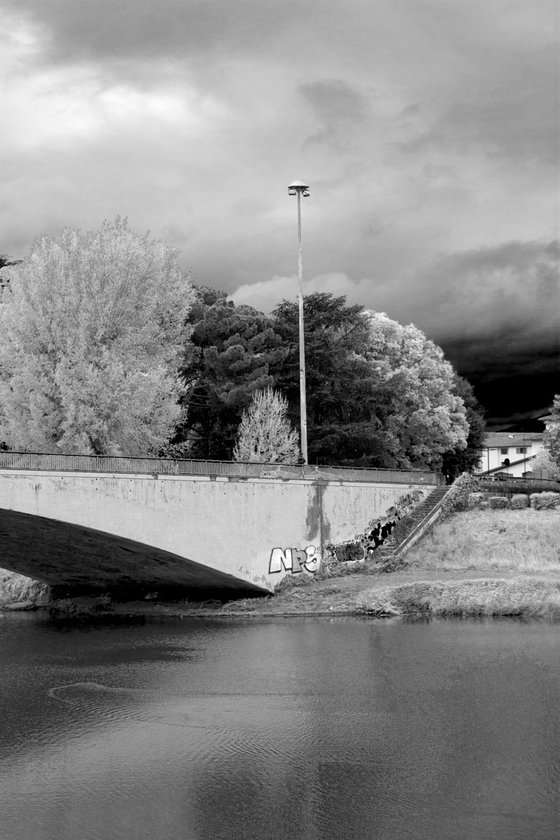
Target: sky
{"x":428,"y":131}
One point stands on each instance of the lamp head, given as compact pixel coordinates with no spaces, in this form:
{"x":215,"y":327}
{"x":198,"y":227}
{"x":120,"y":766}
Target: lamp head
{"x":298,"y":187}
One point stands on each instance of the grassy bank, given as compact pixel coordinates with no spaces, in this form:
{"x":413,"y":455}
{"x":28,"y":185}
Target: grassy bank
{"x":507,"y":562}
{"x":502,"y":540}
{"x":529,"y":597}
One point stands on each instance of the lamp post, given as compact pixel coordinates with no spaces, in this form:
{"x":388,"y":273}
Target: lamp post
{"x":299,"y":189}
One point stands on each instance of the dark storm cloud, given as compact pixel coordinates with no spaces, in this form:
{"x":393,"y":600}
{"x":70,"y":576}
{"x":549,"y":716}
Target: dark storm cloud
{"x":338,"y":108}
{"x":510,"y":288}
{"x":509,"y":107}
{"x":496,"y":313}
{"x":144,"y":29}
{"x":512,"y":381}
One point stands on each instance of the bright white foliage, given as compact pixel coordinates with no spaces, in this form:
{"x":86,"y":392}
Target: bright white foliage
{"x":424,"y":417}
{"x":543,"y":466}
{"x":265,"y":434}
{"x":92,"y":328}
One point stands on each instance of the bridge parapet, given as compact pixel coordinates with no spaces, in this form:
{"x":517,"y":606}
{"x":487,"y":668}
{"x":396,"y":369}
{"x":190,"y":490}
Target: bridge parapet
{"x":57,"y":462}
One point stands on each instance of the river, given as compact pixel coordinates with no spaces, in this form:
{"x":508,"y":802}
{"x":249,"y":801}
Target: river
{"x":303,"y":728}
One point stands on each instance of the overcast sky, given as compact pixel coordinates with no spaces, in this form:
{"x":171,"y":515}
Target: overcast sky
{"x":428,"y":131}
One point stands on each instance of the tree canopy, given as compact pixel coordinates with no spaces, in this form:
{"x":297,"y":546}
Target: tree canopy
{"x":5,"y":262}
{"x":93,"y":325}
{"x":424,"y":416}
{"x":458,"y":459}
{"x":226,"y":359}
{"x":378,"y":393}
{"x":108,"y":348}
{"x":343,"y":390}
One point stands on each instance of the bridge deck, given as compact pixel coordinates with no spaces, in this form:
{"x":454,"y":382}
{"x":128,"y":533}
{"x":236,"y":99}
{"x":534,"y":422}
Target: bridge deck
{"x":54,"y":462}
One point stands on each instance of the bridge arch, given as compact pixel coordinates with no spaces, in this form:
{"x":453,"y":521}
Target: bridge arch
{"x":204,"y":532}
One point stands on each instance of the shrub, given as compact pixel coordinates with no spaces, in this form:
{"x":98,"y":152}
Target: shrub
{"x":475,"y":499}
{"x":459,"y":492}
{"x":519,"y":501}
{"x":347,"y":552}
{"x":519,"y":485}
{"x":496,"y":502}
{"x":545,"y":501}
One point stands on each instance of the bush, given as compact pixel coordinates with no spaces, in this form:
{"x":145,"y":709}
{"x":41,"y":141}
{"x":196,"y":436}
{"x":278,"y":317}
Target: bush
{"x":475,"y":499}
{"x":519,"y":501}
{"x":545,"y":501}
{"x":497,"y":502}
{"x":459,"y":492}
{"x":519,"y":485}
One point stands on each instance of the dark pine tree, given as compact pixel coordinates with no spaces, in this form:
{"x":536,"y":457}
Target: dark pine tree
{"x":227,"y":359}
{"x":345,"y":397}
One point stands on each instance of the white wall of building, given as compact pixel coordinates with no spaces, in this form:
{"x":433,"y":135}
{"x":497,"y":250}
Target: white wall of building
{"x":519,"y":448}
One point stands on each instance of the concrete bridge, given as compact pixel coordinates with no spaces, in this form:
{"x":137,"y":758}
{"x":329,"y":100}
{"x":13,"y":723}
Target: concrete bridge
{"x":97,"y":523}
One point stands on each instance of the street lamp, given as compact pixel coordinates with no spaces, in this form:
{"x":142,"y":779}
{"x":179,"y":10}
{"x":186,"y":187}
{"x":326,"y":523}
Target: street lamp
{"x":300,"y":189}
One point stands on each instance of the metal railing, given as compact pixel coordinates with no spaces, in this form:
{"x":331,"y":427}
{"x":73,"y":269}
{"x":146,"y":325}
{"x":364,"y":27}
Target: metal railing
{"x":168,"y":466}
{"x":425,"y":524}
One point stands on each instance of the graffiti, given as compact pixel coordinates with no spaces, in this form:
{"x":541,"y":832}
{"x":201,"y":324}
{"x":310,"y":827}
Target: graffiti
{"x":380,"y":529}
{"x":294,"y":560}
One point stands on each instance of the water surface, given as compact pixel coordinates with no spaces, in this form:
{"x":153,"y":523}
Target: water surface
{"x":306,"y":728}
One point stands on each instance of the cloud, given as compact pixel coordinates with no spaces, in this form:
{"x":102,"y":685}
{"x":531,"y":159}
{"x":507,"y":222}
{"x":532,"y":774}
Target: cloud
{"x":142,"y":29}
{"x":267,"y":294}
{"x":339,"y":110}
{"x":427,"y":131}
{"x":505,"y":288}
{"x":512,"y":110}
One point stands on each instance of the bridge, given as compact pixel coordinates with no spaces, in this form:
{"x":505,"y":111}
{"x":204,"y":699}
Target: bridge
{"x":93,"y":523}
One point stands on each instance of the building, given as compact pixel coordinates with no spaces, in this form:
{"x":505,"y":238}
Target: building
{"x":509,"y":453}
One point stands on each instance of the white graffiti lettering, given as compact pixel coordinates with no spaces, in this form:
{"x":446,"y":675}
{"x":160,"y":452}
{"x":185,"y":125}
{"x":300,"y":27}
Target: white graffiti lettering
{"x":294,"y":560}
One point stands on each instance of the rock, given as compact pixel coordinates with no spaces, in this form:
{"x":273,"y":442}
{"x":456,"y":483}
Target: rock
{"x":20,"y":606}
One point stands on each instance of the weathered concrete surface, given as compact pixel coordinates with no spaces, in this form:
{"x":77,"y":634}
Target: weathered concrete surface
{"x":107,"y":530}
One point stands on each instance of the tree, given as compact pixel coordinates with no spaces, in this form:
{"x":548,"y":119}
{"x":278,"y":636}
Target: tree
{"x":458,"y":460}
{"x":93,"y":325}
{"x":542,"y":466}
{"x":423,"y":416}
{"x":226,"y":359}
{"x":344,"y":392}
{"x":378,"y":394}
{"x":265,"y":434}
{"x":5,"y":262}
{"x":551,"y":437}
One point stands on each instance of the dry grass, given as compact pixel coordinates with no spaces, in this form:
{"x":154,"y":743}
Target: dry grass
{"x":518,"y":596}
{"x":525,"y":542}
{"x":501,"y":540}
{"x":14,"y":588}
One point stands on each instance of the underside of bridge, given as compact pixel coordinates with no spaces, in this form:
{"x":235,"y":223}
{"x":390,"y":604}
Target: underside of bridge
{"x":76,"y":560}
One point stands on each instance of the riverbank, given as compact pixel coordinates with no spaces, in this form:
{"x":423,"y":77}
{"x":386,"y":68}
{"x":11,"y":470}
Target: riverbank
{"x":476,"y":563}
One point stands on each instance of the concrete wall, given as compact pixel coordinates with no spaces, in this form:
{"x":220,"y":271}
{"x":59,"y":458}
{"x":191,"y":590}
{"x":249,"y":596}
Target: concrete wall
{"x":190,"y":530}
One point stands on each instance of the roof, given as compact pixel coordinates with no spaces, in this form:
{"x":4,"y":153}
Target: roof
{"x":506,"y":467}
{"x":503,"y":439}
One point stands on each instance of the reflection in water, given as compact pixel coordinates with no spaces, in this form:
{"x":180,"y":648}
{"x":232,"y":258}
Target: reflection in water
{"x":308,"y":728}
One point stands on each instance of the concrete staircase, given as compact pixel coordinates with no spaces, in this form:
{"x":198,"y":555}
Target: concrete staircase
{"x":410,"y":530}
